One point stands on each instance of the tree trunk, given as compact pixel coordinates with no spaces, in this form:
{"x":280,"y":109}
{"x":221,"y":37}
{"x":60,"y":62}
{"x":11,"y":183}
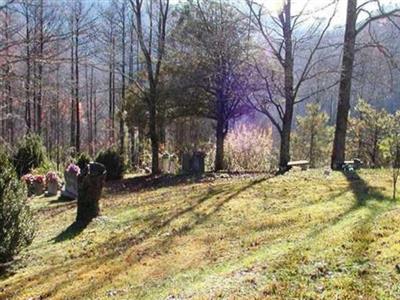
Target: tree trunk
{"x":140,"y":146}
{"x":28,"y":71}
{"x":77,"y":110}
{"x":91,"y":150}
{"x":284,"y":157}
{"x":7,"y":82}
{"x":133,"y":147}
{"x":40,"y":71}
{"x":95,"y":122}
{"x":87,"y":95}
{"x":219,"y":153}
{"x":58,"y":121}
{"x":312,"y":147}
{"x":122,"y":104}
{"x":72,"y":79}
{"x":284,"y":150}
{"x":154,"y":139}
{"x":339,"y":143}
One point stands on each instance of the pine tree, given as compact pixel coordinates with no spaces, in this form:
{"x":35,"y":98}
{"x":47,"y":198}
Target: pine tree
{"x":313,"y":137}
{"x":16,"y":225}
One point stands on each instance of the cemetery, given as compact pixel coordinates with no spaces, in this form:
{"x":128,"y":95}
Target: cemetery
{"x":208,"y":149}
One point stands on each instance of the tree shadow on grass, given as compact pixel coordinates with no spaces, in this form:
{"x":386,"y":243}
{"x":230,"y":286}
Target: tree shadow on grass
{"x":62,"y":199}
{"x":362,"y":190}
{"x":162,"y":243}
{"x":71,"y":232}
{"x":363,"y":193}
{"x":145,"y":182}
{"x":198,"y":219}
{"x":113,"y":249}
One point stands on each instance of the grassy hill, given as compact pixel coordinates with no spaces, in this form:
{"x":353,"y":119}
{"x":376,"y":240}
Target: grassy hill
{"x":303,"y":235}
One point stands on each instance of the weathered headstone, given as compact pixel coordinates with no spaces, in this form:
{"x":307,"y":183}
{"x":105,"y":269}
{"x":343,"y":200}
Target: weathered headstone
{"x":70,"y":189}
{"x":38,"y":188}
{"x":173,"y":164}
{"x":165,"y":163}
{"x":91,"y":182}
{"x":52,"y":188}
{"x":197,"y":162}
{"x":357,"y":163}
{"x":186,"y":158}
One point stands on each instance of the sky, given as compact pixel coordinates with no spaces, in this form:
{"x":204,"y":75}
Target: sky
{"x":314,"y":5}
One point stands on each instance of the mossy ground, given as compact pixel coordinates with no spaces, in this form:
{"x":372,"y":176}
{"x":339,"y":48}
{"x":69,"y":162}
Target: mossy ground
{"x":304,"y":235}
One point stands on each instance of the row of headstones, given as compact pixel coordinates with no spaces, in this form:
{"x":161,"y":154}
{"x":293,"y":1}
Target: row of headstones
{"x":87,"y":187}
{"x":191,"y":163}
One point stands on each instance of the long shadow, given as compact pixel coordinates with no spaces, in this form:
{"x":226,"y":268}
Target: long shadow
{"x":159,"y":225}
{"x":111,"y":250}
{"x":62,"y":199}
{"x":199,"y":218}
{"x":145,"y":182}
{"x":363,"y":193}
{"x":72,"y":231}
{"x":362,"y":190}
{"x":166,"y":241}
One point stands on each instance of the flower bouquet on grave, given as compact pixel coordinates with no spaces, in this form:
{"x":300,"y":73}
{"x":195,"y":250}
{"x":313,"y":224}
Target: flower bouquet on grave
{"x":39,"y":184}
{"x":52,"y":181}
{"x":29,"y":179}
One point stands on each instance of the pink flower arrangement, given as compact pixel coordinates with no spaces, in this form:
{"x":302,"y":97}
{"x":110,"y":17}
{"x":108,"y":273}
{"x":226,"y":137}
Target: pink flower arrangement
{"x":28,"y":178}
{"x":52,"y":177}
{"x":72,"y":168}
{"x":39,"y":179}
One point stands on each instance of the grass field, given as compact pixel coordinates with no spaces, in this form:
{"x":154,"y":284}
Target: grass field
{"x":304,"y":235}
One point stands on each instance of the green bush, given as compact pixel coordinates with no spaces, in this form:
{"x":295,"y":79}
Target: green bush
{"x":82,"y":160}
{"x":30,"y":154}
{"x":17,"y":228}
{"x":44,"y":168}
{"x":113,"y":162}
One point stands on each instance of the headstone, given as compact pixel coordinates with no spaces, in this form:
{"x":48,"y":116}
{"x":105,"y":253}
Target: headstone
{"x":186,"y":159}
{"x":173,"y":164}
{"x":52,"y":188}
{"x":70,"y":189}
{"x":165,"y":163}
{"x":197,"y":162}
{"x":91,"y":182}
{"x":357,"y":163}
{"x":38,"y":188}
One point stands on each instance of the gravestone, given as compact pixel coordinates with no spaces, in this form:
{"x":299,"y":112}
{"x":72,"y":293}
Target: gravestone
{"x":173,"y":164}
{"x":52,"y":188}
{"x":165,"y":163}
{"x":70,"y":189}
{"x":38,"y":188}
{"x":197,"y":162}
{"x":186,"y":162}
{"x":91,"y":182}
{"x":357,"y":163}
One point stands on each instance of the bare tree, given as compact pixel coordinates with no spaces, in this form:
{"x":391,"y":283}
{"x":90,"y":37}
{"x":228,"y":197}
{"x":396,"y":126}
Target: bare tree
{"x":354,"y":10}
{"x":284,"y":43}
{"x":151,"y":29}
